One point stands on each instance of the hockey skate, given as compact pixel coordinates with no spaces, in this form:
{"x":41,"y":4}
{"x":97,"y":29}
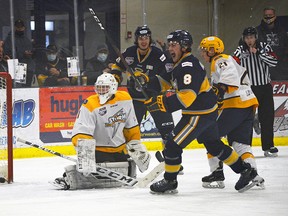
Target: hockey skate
{"x":60,"y":183}
{"x":272,"y":152}
{"x":215,"y":179}
{"x":248,"y":179}
{"x":164,"y":187}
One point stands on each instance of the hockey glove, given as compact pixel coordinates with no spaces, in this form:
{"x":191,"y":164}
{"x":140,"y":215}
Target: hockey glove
{"x":118,"y":78}
{"x":155,"y":104}
{"x":142,"y":78}
{"x":219,"y":90}
{"x":139,"y":154}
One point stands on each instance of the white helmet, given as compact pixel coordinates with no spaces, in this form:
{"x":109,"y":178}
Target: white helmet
{"x":105,"y":86}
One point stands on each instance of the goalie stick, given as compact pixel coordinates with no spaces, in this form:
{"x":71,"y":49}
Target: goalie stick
{"x":118,"y":53}
{"x":127,"y":180}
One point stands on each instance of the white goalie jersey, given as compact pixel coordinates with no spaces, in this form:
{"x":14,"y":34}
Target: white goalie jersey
{"x":112,"y":125}
{"x":225,"y":70}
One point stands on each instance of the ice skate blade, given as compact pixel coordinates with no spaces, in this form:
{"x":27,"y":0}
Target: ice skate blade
{"x":213,"y":185}
{"x":175,"y":191}
{"x":247,"y":187}
{"x":271,"y":155}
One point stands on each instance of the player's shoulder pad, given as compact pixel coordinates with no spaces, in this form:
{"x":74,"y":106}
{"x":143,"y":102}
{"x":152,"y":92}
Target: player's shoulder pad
{"x":187,"y":64}
{"x":221,"y":57}
{"x":159,"y":52}
{"x":122,"y":95}
{"x":91,"y":102}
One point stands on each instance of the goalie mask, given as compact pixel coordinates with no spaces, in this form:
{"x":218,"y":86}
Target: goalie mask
{"x":105,"y":86}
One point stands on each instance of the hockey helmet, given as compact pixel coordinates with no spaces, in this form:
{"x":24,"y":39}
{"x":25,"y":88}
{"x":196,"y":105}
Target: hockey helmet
{"x":212,"y":42}
{"x":142,"y":31}
{"x":250,"y":31}
{"x":183,"y":37}
{"x":105,"y":86}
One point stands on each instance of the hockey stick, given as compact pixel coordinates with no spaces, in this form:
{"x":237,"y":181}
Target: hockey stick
{"x":127,"y":180}
{"x":118,"y":53}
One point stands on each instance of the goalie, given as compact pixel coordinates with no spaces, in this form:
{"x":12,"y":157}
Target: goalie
{"x":106,"y":122}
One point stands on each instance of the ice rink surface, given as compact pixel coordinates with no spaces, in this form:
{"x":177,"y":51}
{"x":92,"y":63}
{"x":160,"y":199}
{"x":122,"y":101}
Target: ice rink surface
{"x":32,"y":195}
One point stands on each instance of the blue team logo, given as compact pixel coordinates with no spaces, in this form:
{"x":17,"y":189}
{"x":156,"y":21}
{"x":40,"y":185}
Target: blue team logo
{"x":102,"y":111}
{"x":169,"y":67}
{"x":129,"y":60}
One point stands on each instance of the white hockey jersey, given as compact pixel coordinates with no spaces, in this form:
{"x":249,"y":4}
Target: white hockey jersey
{"x":112,"y":125}
{"x":225,"y":70}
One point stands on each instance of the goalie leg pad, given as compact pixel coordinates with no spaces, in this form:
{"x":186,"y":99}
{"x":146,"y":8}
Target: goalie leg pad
{"x":76,"y":180}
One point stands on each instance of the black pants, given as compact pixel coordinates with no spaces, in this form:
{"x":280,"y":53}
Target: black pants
{"x":163,"y":120}
{"x":264,"y":94}
{"x":203,"y":128}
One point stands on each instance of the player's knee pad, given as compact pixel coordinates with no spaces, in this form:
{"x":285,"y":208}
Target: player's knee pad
{"x":218,"y":149}
{"x":78,"y":180}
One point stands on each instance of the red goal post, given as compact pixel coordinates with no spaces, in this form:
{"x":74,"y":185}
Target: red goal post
{"x":6,"y":131}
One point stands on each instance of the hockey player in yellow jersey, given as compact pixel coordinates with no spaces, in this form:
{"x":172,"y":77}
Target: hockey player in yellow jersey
{"x":236,"y":104}
{"x":109,"y":118}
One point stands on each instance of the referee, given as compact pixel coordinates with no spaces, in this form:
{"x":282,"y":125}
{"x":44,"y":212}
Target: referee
{"x":257,"y":57}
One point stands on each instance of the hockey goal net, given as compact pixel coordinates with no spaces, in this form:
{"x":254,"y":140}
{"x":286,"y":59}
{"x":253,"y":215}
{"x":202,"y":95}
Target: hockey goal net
{"x":6,"y":136}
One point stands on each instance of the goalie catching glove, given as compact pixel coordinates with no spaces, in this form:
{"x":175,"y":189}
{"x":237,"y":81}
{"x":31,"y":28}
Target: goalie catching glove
{"x":157,"y":103}
{"x":139,"y":154}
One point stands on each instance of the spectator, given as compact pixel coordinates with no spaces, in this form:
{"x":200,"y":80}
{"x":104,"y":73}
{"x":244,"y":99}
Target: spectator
{"x":271,"y":32}
{"x":54,"y":69}
{"x":3,"y":61}
{"x":257,"y":57}
{"x":98,"y":64}
{"x":23,"y":50}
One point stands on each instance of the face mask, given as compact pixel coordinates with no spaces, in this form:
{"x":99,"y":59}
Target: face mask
{"x":269,"y":20}
{"x":51,"y":57}
{"x":102,"y":57}
{"x":19,"y":33}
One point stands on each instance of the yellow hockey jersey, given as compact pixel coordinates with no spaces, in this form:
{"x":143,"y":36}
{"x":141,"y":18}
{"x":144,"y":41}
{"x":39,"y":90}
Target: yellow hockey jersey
{"x":225,"y":70}
{"x":112,"y":125}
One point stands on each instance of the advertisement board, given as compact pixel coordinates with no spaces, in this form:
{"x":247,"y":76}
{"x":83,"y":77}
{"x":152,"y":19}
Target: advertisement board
{"x":47,"y":115}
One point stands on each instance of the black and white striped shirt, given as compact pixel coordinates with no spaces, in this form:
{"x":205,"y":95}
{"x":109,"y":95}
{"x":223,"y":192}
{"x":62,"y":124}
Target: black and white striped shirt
{"x":257,"y":64}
